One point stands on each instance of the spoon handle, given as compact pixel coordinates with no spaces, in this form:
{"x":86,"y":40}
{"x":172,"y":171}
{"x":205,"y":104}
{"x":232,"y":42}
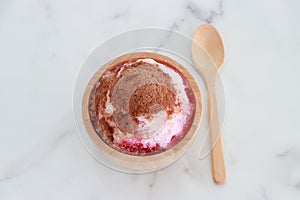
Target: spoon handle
{"x":217,"y":154}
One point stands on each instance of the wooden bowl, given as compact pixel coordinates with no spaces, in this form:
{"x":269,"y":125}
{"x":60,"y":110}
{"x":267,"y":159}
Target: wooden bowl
{"x":149,"y":162}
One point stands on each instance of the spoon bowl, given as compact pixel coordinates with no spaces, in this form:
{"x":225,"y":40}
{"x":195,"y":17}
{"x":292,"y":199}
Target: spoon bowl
{"x":209,"y":38}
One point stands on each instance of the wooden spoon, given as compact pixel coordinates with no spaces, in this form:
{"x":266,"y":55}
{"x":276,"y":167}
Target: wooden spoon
{"x":208,"y":56}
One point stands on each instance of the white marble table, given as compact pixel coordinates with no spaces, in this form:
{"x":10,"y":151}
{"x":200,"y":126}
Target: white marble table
{"x":44,"y":43}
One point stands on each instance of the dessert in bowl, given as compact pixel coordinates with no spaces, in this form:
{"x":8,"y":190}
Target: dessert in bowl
{"x":142,"y":110}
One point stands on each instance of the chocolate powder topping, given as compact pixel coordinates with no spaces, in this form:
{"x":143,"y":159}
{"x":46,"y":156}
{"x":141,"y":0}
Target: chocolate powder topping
{"x":150,"y":99}
{"x":134,"y":80}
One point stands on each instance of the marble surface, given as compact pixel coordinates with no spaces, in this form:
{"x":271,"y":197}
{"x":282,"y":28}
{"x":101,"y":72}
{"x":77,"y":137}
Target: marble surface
{"x":42,"y":46}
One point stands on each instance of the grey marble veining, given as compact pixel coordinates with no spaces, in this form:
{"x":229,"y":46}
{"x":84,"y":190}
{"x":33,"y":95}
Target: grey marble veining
{"x":196,"y":12}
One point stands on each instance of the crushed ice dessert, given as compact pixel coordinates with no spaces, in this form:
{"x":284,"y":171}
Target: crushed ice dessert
{"x":142,"y":107}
